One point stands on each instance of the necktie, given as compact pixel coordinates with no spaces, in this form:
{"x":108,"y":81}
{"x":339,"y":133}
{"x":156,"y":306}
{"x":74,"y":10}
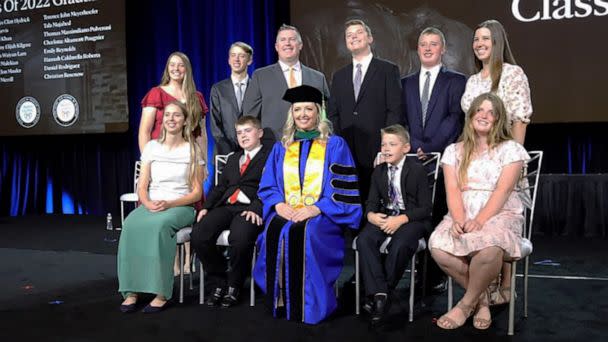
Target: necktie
{"x":235,"y":194}
{"x":392,"y":191}
{"x":292,"y":78}
{"x":424,"y":99}
{"x":239,"y":94}
{"x":357,"y":80}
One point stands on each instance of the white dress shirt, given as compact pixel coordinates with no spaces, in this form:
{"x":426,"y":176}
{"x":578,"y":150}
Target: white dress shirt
{"x":241,"y":197}
{"x":364,"y":66}
{"x":397,"y":183}
{"x":297,"y":71}
{"x":434,"y":72}
{"x":235,"y":86}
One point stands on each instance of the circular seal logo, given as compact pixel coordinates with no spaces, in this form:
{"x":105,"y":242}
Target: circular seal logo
{"x":27,"y":112}
{"x":309,"y":200}
{"x":293,"y":200}
{"x":65,"y":110}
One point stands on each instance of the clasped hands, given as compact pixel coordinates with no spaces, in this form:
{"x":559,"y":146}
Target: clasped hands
{"x":156,"y":206}
{"x":467,"y":227}
{"x":249,"y":216}
{"x":388,"y":224}
{"x":297,"y":215}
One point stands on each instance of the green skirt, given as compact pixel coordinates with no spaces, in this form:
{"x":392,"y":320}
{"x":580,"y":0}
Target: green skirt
{"x":146,"y":250}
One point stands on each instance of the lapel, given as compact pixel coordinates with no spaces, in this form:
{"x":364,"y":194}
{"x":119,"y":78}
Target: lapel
{"x":280,"y":78}
{"x":229,"y":89}
{"x":384,"y":184}
{"x":417,"y":104}
{"x":369,"y":74}
{"x":435,"y":92}
{"x":259,"y":156}
{"x":404,"y":173}
{"x":305,"y":75}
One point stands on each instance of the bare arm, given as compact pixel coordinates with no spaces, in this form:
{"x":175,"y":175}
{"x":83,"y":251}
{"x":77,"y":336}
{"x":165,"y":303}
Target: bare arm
{"x":518,"y":131}
{"x":148,"y":115}
{"x":453,"y":194}
{"x":506,"y":182}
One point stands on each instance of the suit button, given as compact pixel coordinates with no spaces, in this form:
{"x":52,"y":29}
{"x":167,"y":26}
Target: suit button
{"x":355,"y":113}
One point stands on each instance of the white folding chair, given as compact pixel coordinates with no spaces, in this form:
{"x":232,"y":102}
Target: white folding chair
{"x":130,"y":196}
{"x":531,"y":173}
{"x":433,"y":157}
{"x":222,"y":240}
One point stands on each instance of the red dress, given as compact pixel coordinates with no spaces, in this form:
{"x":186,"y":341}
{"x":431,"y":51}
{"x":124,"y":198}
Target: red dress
{"x":158,"y":98}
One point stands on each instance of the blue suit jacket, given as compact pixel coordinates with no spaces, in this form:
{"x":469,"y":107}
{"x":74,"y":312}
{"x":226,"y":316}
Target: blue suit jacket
{"x":444,"y":119}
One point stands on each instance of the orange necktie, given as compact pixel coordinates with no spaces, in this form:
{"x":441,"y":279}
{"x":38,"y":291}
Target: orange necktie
{"x":292,"y":78}
{"x":235,"y":195}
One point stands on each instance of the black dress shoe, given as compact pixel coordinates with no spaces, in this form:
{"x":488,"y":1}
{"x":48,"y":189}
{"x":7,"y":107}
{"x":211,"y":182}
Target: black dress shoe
{"x":368,"y":305}
{"x":231,"y":297}
{"x":127,"y":308}
{"x":381,"y":306}
{"x":216,"y":297}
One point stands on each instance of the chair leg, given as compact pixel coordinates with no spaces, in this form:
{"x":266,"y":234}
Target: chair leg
{"x":122,"y":214}
{"x":251,"y":282}
{"x":526,"y":269}
{"x":424,"y":269}
{"x":512,"y":300}
{"x":201,"y":287}
{"x":181,"y":273}
{"x":412,"y":288}
{"x":357,"y":293}
{"x":191,"y":263}
{"x":450,"y":294}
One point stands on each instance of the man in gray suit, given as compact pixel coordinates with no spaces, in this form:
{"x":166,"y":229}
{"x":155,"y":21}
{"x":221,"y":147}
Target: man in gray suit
{"x":264,"y":96}
{"x":227,"y":98}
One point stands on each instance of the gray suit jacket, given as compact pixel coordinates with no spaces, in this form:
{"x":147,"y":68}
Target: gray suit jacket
{"x":224,"y":114}
{"x":264,"y":95}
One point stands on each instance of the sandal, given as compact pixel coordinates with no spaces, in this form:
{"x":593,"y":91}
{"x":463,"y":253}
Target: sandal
{"x":501,"y":296}
{"x":445,"y":322}
{"x":478,"y":322}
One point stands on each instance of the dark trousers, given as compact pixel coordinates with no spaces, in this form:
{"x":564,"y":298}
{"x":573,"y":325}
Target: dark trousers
{"x":242,"y":239}
{"x":404,"y":243}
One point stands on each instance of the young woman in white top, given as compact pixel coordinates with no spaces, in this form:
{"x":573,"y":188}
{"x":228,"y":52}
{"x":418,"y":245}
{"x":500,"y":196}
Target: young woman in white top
{"x":170,"y":182}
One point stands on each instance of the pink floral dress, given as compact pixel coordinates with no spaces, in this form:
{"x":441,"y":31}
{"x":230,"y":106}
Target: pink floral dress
{"x":513,"y":90}
{"x":503,"y":229}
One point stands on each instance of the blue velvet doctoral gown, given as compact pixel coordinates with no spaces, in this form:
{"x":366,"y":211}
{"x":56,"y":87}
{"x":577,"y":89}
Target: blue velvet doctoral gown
{"x":323,"y":240}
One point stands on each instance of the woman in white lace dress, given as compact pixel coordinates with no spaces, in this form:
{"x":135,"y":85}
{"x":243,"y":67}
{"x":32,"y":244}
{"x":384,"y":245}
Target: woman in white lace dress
{"x":498,"y":73}
{"x":485,"y":215}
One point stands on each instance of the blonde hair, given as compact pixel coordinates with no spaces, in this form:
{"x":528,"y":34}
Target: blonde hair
{"x":397,"y":130}
{"x":499,"y":133}
{"x":193,"y":105}
{"x":289,"y":129}
{"x":195,"y":150}
{"x":501,"y":51}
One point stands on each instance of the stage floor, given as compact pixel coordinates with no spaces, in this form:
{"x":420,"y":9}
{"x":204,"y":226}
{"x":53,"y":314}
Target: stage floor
{"x":59,"y":284}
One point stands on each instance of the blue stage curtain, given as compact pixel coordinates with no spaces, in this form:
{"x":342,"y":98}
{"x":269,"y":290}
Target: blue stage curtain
{"x":85,"y":174}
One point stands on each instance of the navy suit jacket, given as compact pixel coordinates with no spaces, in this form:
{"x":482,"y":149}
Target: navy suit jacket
{"x":444,"y":119}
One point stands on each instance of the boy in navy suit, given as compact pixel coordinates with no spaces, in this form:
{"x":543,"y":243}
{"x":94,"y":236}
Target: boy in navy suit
{"x":233,"y":204}
{"x":399,"y":205}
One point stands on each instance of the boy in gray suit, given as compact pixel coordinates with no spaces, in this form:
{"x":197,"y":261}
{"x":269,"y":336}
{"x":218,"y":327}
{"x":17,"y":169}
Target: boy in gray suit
{"x":227,"y":98}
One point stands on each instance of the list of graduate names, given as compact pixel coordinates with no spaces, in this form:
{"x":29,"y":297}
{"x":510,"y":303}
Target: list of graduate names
{"x":64,"y":42}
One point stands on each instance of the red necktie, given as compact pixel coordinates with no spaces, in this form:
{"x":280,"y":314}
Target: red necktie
{"x":234,"y":196}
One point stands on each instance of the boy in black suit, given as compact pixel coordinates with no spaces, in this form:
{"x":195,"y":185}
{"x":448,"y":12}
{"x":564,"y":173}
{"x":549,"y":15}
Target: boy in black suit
{"x":399,"y":205}
{"x":233,"y":204}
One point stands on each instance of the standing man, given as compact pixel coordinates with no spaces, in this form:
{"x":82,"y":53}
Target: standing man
{"x":366,"y":96}
{"x":264,"y":96}
{"x":431,"y":99}
{"x":227,"y":98}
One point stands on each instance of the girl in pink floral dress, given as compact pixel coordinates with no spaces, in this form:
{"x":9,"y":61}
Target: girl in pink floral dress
{"x":498,"y":73}
{"x":485,"y":215}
